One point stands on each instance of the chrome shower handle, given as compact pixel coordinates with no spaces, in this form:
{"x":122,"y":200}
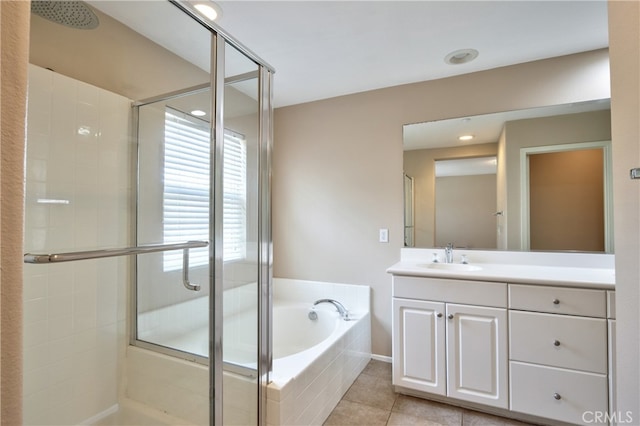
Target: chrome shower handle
{"x":185,"y":272}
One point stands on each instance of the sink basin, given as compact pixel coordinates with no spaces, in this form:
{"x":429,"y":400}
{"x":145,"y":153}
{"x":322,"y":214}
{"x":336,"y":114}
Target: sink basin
{"x":453,"y":266}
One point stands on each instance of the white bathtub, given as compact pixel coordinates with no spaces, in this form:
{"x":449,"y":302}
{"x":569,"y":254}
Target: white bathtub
{"x":315,"y":362}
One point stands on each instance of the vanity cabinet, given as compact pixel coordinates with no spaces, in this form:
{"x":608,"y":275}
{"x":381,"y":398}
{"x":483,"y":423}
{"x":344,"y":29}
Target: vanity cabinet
{"x":558,"y":352}
{"x":445,"y":345}
{"x":539,"y":350}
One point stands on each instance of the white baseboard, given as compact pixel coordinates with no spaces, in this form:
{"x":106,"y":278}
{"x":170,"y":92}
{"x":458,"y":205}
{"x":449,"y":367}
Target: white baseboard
{"x":95,"y":419}
{"x":382,"y":358}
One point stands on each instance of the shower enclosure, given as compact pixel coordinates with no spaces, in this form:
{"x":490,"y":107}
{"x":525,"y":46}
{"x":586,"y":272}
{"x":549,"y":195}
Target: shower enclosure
{"x":148,"y":166}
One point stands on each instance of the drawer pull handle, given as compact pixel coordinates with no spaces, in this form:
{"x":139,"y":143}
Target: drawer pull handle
{"x":439,"y":314}
{"x":556,"y":343}
{"x":450,"y":316}
{"x":556,"y":302}
{"x":557,"y":396}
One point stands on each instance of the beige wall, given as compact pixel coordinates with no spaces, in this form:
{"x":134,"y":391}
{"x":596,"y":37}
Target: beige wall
{"x":290,"y":199}
{"x":501,"y":195}
{"x":624,"y":39}
{"x":114,"y":57}
{"x":565,"y":200}
{"x":465,"y":207}
{"x":337,"y":170}
{"x":420,"y":165}
{"x":14,"y":39}
{"x":563,"y":129}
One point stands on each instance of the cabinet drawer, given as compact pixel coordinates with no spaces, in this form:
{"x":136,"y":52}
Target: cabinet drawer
{"x":559,"y":340}
{"x":558,"y":300}
{"x":453,"y":291}
{"x":556,"y":393}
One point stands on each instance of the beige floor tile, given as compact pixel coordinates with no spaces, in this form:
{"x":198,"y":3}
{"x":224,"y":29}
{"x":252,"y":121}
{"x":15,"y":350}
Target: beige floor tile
{"x":475,"y":418}
{"x":402,"y":419}
{"x":429,"y":410}
{"x":372,"y":400}
{"x":378,"y":369}
{"x":349,"y":413}
{"x":372,"y":391}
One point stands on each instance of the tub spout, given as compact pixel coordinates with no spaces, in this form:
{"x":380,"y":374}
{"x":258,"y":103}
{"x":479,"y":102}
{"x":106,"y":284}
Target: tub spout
{"x":344,"y":314}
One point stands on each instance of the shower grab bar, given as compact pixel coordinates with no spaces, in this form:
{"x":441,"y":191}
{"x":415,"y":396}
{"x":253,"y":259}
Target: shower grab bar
{"x":97,"y":254}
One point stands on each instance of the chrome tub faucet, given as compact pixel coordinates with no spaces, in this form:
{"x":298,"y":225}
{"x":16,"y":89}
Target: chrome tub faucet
{"x":344,"y":314}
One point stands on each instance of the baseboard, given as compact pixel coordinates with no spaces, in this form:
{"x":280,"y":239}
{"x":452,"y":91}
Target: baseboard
{"x":101,"y":415}
{"x":382,"y":358}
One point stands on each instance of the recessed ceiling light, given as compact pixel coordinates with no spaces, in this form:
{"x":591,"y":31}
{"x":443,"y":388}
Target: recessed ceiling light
{"x":461,"y":56}
{"x":198,"y":113}
{"x":465,"y":137}
{"x":210,"y":10}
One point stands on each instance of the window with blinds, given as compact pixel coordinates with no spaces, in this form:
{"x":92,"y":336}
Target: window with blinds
{"x":186,"y":189}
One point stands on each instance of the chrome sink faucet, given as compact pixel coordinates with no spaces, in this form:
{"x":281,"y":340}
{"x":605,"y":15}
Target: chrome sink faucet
{"x":344,"y":314}
{"x":448,"y":253}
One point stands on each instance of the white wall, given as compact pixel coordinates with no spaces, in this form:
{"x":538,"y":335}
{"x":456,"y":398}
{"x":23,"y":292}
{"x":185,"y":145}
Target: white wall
{"x":337,"y":173}
{"x":74,"y":313}
{"x":624,"y":39}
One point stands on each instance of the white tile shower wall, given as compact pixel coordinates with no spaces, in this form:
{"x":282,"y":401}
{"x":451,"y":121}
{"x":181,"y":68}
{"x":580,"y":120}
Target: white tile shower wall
{"x":171,"y":385}
{"x":78,"y":158}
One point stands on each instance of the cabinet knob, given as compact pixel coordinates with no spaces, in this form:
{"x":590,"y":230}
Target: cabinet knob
{"x":556,"y":343}
{"x":557,"y":396}
{"x":556,"y":302}
{"x":439,"y":314}
{"x":450,"y":316}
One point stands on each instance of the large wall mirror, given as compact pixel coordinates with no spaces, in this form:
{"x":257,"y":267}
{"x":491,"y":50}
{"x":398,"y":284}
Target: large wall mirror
{"x":537,"y":179}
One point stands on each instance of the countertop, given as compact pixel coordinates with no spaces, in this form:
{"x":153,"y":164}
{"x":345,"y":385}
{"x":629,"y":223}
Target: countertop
{"x":584,"y":277}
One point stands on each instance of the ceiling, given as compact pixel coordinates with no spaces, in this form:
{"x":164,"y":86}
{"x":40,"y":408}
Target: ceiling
{"x":484,"y":128}
{"x":323,"y":49}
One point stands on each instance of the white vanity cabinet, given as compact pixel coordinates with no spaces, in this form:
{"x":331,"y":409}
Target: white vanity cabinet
{"x":450,"y":338}
{"x":558,"y":352}
{"x":529,"y":336}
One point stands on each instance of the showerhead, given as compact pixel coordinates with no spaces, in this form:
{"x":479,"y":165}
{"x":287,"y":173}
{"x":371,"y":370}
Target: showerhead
{"x":72,"y":14}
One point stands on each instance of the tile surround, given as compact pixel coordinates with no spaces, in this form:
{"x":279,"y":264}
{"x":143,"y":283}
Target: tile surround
{"x":74,"y":312}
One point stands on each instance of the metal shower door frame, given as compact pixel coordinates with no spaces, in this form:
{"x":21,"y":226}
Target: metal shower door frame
{"x":220,"y":38}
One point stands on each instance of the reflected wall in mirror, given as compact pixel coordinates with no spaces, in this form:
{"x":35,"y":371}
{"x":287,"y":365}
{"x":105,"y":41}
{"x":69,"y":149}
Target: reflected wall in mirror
{"x":465,"y":202}
{"x":507,"y":136}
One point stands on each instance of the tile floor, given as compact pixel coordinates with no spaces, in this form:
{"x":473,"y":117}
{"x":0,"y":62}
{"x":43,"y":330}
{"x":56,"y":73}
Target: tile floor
{"x":372,"y":401}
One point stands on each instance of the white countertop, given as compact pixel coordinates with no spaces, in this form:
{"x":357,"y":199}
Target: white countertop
{"x":594,"y":272}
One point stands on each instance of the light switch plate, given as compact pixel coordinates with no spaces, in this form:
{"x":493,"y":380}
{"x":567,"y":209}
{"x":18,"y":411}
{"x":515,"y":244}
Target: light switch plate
{"x":384,"y":235}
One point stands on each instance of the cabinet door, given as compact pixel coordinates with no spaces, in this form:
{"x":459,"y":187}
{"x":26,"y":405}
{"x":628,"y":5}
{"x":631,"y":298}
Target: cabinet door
{"x":418,"y":345}
{"x":477,"y":354}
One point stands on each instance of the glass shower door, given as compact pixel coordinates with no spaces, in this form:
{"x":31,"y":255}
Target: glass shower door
{"x":240,"y":238}
{"x":173,"y":196}
{"x":189,"y":171}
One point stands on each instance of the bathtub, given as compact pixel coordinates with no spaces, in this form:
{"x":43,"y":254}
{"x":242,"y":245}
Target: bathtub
{"x":315,"y":362}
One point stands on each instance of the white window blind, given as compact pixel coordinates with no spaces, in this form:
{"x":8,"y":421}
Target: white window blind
{"x":186,"y":189}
